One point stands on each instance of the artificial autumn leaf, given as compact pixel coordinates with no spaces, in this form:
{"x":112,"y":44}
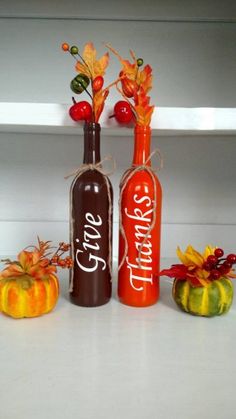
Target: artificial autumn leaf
{"x":209,"y":250}
{"x":176,"y":271}
{"x":145,"y":78}
{"x":98,"y":103}
{"x":11,"y":271}
{"x":142,"y":108}
{"x":190,"y":257}
{"x":91,"y":66}
{"x":128,"y":69}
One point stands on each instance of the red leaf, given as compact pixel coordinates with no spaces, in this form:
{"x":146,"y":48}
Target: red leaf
{"x":176,"y":271}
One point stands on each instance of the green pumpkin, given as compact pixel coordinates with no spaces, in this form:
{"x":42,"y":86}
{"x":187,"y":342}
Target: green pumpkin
{"x":79,"y":83}
{"x":212,"y":300}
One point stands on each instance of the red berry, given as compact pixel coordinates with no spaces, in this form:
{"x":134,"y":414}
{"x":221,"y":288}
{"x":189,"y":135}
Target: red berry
{"x":231,"y":258}
{"x":212,"y":259}
{"x":215,"y":274}
{"x":219,"y":252}
{"x":225,"y":268}
{"x":81,"y":111}
{"x":98,"y":83}
{"x":123,"y":112}
{"x":207,"y":266}
{"x":227,"y":264}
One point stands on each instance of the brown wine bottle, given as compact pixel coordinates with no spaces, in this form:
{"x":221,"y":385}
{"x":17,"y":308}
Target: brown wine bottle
{"x":91,"y":227}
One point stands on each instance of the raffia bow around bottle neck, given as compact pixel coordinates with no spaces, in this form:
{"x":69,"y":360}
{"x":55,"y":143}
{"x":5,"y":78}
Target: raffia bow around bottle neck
{"x":94,"y":166}
{"x":98,"y":166}
{"x":138,"y":167}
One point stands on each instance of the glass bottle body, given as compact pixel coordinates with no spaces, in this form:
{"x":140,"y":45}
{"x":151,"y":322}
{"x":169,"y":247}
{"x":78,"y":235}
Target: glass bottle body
{"x":138,"y":280}
{"x":91,"y":228}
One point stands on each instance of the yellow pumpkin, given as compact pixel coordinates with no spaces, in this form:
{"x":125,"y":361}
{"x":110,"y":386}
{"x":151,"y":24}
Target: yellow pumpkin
{"x":26,"y":296}
{"x":211,"y":300}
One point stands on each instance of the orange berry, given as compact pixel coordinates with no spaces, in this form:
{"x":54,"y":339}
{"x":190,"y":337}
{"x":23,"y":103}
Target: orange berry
{"x":62,"y":263}
{"x":65,"y":46}
{"x":65,"y":247}
{"x":69,"y":264}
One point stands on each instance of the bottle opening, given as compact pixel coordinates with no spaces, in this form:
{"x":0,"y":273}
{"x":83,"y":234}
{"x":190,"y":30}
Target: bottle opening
{"x":142,"y":129}
{"x":92,"y":126}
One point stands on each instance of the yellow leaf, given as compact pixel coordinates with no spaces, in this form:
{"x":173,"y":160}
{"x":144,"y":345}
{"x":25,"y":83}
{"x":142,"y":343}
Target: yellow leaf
{"x":191,"y":257}
{"x":90,"y":66}
{"x":182,"y":257}
{"x":26,"y":260}
{"x":209,"y":250}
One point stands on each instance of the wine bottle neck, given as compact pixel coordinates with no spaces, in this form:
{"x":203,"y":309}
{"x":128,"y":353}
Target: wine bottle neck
{"x":91,"y":143}
{"x":142,"y":143}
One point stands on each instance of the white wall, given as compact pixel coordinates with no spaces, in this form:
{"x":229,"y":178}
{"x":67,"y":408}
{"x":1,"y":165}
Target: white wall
{"x":122,"y":9}
{"x":194,"y":65}
{"x":198,"y":182}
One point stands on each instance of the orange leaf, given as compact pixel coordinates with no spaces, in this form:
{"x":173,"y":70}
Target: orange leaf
{"x":130,"y":70}
{"x":11,"y":271}
{"x":145,"y":78}
{"x":26,"y":260}
{"x":98,"y":103}
{"x":142,"y":108}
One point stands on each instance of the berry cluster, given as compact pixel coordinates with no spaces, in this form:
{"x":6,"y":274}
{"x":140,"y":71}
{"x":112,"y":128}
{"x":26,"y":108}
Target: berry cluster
{"x":57,"y":259}
{"x":218,"y":266}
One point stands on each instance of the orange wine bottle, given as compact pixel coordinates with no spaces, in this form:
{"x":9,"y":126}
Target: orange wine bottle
{"x":140,"y":227}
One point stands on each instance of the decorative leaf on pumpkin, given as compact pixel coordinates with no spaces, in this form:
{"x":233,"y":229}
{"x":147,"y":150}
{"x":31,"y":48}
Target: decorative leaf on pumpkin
{"x":176,"y":271}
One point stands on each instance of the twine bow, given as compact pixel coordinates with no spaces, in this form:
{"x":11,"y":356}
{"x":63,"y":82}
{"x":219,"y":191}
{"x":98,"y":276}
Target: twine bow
{"x":94,"y":166}
{"x":133,"y":170}
{"x":77,"y":173}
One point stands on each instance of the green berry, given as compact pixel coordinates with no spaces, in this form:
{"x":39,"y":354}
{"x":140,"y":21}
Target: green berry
{"x":74,"y":50}
{"x":139,"y":62}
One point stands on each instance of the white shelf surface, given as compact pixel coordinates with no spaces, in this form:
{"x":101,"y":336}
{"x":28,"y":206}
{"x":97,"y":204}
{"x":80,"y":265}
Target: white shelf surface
{"x":50,"y":118}
{"x":116,"y":361}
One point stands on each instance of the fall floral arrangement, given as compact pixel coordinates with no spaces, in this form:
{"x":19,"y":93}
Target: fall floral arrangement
{"x":202,"y":284}
{"x":29,"y":286}
{"x":134,"y":83}
{"x":89,"y":80}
